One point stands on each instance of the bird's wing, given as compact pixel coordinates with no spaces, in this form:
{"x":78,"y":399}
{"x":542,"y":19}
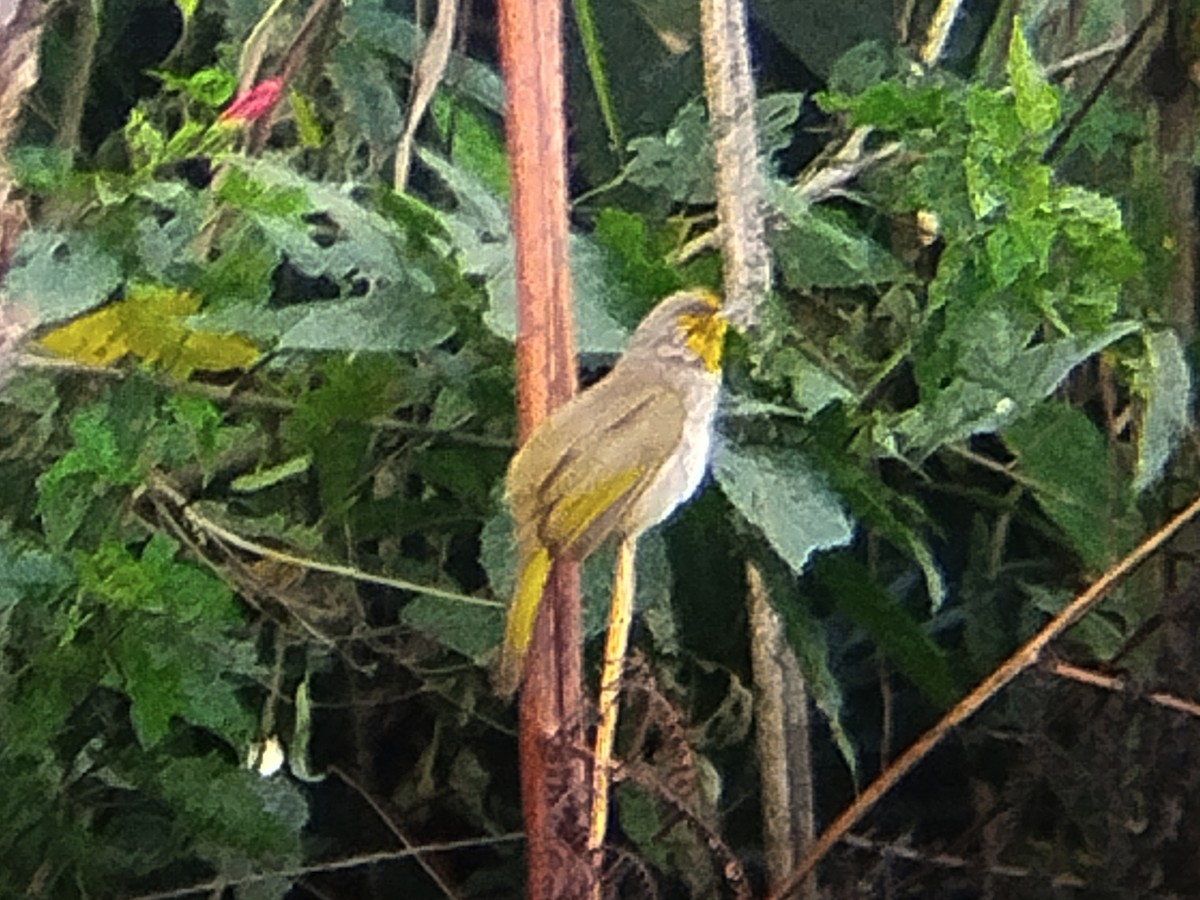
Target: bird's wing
{"x":589,"y":465}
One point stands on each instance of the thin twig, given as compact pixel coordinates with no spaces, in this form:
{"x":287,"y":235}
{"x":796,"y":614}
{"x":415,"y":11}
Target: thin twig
{"x":204,"y":524}
{"x":1028,"y":655}
{"x":890,"y":850}
{"x":350,"y":862}
{"x":1110,"y":683}
{"x":396,"y":831}
{"x":255,"y":400}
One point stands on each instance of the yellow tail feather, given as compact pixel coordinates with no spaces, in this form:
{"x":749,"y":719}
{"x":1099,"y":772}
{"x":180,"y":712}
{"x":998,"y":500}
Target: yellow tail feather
{"x":522,"y":615}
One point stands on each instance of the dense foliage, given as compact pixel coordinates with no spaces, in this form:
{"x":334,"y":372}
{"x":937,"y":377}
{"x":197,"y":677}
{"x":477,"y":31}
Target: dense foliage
{"x":253,"y":550}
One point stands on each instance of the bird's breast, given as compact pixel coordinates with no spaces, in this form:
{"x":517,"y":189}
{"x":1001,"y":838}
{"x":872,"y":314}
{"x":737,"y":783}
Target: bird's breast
{"x":681,"y":475}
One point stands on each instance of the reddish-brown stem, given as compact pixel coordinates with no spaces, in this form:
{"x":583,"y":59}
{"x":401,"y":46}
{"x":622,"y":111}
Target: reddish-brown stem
{"x":554,"y":785}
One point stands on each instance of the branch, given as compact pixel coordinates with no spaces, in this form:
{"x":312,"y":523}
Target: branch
{"x":1026,"y":656}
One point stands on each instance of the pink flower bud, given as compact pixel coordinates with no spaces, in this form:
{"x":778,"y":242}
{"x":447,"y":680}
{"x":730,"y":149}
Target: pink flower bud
{"x":255,"y":103}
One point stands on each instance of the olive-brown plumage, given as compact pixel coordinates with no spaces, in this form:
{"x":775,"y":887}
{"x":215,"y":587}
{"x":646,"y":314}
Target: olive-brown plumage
{"x":618,"y":458}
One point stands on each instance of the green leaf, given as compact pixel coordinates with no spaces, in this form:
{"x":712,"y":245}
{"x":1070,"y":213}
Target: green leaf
{"x":211,"y":86}
{"x":147,"y":144}
{"x":638,"y":257}
{"x":475,"y":144}
{"x":775,"y":490}
{"x":243,"y":273}
{"x":597,"y":65}
{"x":679,"y":164}
{"x":27,"y":573}
{"x":859,"y":68}
{"x":166,"y":236}
{"x":59,"y":275}
{"x":821,"y":249}
{"x":231,"y":807}
{"x":481,"y":231}
{"x":1036,"y":98}
{"x":896,"y":633}
{"x":807,"y":638}
{"x":1164,"y":382}
{"x":393,"y":319}
{"x":357,"y":247}
{"x":994,"y":379}
{"x":891,"y":106}
{"x":470,"y":629}
{"x":372,"y":112}
{"x":1065,"y":457}
{"x":369,"y":27}
{"x":248,"y":484}
{"x":155,"y":582}
{"x":151,"y":673}
{"x":100,"y":458}
{"x":41,"y":168}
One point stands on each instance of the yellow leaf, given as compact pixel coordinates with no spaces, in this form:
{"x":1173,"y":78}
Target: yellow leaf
{"x":150,"y":324}
{"x":214,"y":352}
{"x":95,"y":339}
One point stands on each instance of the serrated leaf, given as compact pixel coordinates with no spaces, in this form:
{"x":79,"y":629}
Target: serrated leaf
{"x":152,"y":676}
{"x":892,"y":106}
{"x":59,"y":275}
{"x":481,"y":231}
{"x":28,"y":573}
{"x":994,"y":379}
{"x":210,"y":86}
{"x":149,"y":325}
{"x":679,"y":164}
{"x":639,"y":255}
{"x":1164,"y":382}
{"x":1036,"y":99}
{"x":155,"y":582}
{"x":164,"y":242}
{"x":391,"y":320}
{"x":227,"y":806}
{"x":775,"y":490}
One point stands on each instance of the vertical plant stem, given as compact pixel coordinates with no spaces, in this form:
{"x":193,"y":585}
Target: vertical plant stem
{"x":781,"y":738}
{"x":554,"y":783}
{"x":76,"y":90}
{"x":729,"y":89}
{"x":620,"y":616}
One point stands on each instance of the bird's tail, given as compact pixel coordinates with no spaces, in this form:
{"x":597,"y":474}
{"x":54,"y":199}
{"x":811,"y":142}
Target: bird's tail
{"x":522,"y":615}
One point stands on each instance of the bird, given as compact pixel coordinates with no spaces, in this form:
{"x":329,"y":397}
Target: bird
{"x":616,"y":459}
